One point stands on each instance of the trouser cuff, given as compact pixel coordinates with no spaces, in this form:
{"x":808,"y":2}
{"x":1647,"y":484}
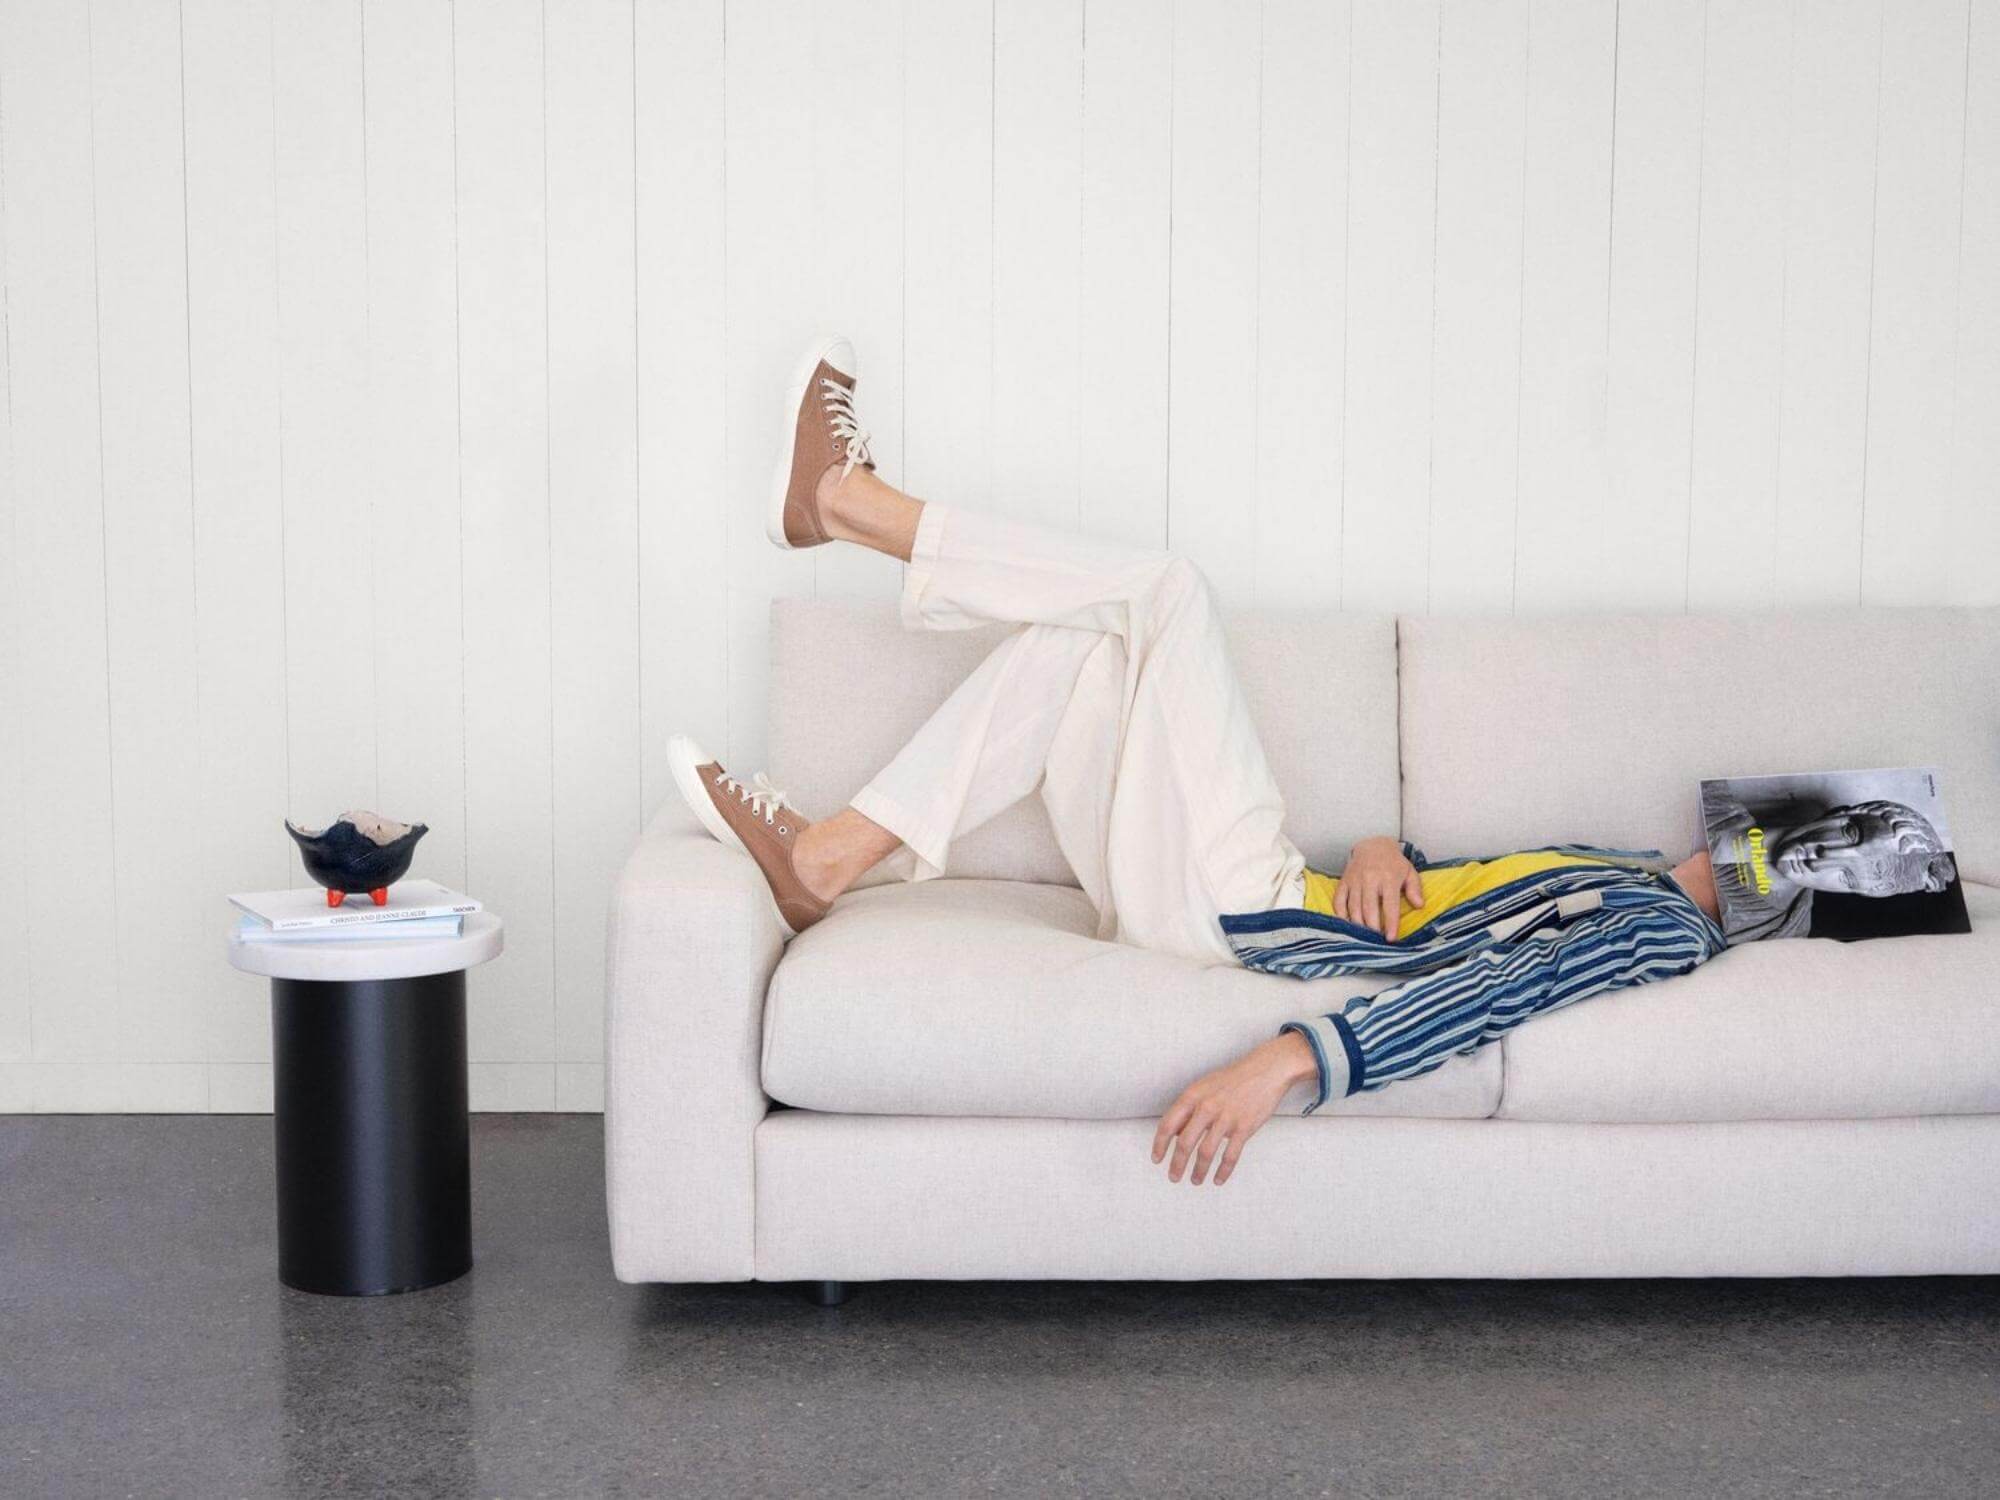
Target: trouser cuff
{"x":923,"y":558}
{"x":929,"y":848}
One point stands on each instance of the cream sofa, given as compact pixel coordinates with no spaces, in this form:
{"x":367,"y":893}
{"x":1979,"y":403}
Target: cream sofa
{"x":973,"y":1079}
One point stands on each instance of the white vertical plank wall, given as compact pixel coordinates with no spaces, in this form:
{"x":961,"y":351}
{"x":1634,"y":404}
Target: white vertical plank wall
{"x":1475,"y":364}
{"x":681,"y":350}
{"x":16,"y":1040}
{"x":1392,"y":164}
{"x":1829,"y":237}
{"x":412,"y":456}
{"x":504,"y":458}
{"x":854,"y":267}
{"x":68,"y":990}
{"x":948,"y":428}
{"x":593,"y":507}
{"x":1301,"y":302}
{"x":331,"y":599}
{"x":1123,"y":261}
{"x":1212,"y":292}
{"x":1913,"y":327}
{"x":388,"y":392}
{"x":1636,"y":554}
{"x":413,"y":473}
{"x":1562,"y":471}
{"x":776,"y":145}
{"x":1037,"y":257}
{"x":1974,"y":523}
{"x":148,"y":551}
{"x":237,"y":444}
{"x":1739,"y":305}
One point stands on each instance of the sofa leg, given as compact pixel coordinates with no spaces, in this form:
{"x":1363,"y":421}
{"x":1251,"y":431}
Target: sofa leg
{"x":826,"y":1293}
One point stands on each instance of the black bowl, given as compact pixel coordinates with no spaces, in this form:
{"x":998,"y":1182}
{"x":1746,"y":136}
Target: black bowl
{"x":343,"y":858}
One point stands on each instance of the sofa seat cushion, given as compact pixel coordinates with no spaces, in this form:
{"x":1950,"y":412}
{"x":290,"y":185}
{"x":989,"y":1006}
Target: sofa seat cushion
{"x":1793,"y":1029}
{"x":991,"y":997}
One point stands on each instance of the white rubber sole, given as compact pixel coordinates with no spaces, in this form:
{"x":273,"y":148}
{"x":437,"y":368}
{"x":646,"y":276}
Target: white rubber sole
{"x":781,"y":472}
{"x":684,"y":757}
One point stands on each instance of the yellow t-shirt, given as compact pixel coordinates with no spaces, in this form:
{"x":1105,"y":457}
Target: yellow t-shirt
{"x":1450,"y":885}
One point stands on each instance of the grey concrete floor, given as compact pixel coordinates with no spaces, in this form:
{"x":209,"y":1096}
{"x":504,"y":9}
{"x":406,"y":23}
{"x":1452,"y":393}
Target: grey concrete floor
{"x":146,"y":1348}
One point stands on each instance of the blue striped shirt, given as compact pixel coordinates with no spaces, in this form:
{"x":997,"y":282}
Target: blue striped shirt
{"x":1480,"y":969}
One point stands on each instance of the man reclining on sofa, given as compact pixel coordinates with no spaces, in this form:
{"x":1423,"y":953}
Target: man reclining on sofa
{"x":1116,"y":698}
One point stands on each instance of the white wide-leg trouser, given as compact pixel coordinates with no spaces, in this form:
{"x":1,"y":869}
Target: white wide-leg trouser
{"x":1115,"y":698}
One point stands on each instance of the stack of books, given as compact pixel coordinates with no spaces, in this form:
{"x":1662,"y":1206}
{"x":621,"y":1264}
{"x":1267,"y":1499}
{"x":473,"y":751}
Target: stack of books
{"x":417,"y":909}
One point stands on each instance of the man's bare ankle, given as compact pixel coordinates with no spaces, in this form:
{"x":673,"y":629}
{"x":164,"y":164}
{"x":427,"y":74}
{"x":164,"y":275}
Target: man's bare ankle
{"x":817,"y":859}
{"x":826,"y":489}
{"x":836,"y":495}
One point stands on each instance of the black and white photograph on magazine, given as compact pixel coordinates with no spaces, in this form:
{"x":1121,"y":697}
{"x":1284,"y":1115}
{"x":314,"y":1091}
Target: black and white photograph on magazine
{"x":1833,"y":854}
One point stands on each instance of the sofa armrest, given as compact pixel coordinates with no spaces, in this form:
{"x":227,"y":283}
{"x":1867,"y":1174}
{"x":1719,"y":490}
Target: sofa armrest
{"x":689,"y":952}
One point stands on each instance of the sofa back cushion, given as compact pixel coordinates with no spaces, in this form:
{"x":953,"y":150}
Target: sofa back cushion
{"x":1597,"y":728}
{"x":849,"y":685}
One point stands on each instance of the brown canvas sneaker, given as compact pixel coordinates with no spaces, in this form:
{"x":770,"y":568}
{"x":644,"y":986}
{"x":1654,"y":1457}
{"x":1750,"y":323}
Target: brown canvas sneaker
{"x":821,"y":431}
{"x":752,"y":816}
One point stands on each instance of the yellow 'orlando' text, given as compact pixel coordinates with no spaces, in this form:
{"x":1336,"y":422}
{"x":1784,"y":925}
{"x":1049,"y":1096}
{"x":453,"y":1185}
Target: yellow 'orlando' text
{"x":1758,"y":870}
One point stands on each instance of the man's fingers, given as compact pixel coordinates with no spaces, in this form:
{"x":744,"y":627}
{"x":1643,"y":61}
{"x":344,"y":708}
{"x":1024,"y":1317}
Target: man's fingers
{"x":1238,"y":1139}
{"x":1170,"y":1124}
{"x":1364,"y":909}
{"x":1413,"y":888}
{"x":1231,"y":1156}
{"x":1189,"y":1138}
{"x":1205,"y":1157}
{"x":1387,"y":914}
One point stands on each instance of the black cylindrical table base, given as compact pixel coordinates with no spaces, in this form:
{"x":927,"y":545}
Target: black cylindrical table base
{"x":374,"y":1166}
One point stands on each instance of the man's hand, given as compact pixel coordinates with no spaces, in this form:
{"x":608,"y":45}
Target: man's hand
{"x":1376,"y":882}
{"x":1231,"y":1104}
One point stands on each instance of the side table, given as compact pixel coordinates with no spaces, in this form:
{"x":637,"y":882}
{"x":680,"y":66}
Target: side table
{"x":369,"y":1103}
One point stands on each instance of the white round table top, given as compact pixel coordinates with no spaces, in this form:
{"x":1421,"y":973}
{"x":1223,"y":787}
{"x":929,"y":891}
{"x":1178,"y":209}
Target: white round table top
{"x":346,"y":960}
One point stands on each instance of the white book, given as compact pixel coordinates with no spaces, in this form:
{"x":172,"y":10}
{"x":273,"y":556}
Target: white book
{"x":250,"y":930}
{"x":305,"y":907}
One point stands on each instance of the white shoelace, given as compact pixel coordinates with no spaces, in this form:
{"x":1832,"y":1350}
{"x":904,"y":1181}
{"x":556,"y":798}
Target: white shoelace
{"x":765,"y":799}
{"x":838,"y":400}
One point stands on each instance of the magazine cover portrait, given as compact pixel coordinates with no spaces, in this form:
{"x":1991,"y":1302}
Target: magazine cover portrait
{"x":1838,"y":854}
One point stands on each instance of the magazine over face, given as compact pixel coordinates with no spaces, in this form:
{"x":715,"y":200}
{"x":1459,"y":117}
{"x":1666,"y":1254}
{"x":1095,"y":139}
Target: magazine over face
{"x":1839,"y":854}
